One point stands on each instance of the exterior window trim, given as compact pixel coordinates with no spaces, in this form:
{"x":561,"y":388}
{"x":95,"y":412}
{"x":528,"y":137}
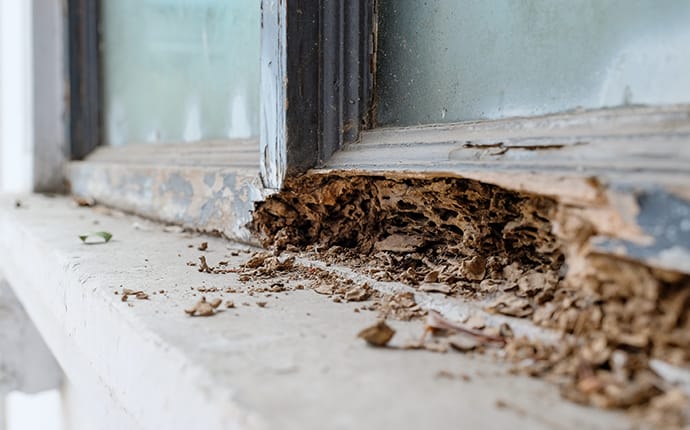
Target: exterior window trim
{"x":85,"y":94}
{"x":317,"y":78}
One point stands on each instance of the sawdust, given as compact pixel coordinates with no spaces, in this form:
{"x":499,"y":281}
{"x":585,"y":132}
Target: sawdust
{"x":526,"y":256}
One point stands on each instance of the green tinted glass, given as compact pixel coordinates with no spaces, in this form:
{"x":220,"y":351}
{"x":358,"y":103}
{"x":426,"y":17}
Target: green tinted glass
{"x":457,"y":60}
{"x":180,"y":70}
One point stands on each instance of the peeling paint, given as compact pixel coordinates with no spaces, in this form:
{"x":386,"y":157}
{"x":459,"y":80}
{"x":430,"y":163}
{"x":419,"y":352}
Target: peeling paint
{"x":217,"y":200}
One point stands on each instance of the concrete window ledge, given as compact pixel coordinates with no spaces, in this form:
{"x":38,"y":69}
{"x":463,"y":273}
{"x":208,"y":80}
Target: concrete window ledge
{"x":295,"y":363}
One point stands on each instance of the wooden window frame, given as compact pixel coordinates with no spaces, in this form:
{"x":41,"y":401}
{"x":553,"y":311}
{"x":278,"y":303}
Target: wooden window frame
{"x":317,"y":102}
{"x":308,"y":111}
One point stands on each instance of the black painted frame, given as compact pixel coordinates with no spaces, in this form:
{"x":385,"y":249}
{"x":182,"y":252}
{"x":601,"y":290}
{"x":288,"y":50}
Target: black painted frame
{"x":347,"y":72}
{"x":85,"y":96}
{"x":318,"y":61}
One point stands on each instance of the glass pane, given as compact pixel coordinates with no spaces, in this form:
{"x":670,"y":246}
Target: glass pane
{"x":180,"y":70}
{"x":456,"y":60}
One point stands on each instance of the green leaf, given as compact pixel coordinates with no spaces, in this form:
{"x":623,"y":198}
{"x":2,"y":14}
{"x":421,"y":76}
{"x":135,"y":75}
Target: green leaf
{"x":106,"y":236}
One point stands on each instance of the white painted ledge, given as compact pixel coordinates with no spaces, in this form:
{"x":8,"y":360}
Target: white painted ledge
{"x":26,"y":364}
{"x":295,"y":364}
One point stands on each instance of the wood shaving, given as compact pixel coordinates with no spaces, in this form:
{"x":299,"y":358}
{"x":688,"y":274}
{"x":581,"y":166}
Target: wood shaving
{"x":206,"y":268}
{"x":401,"y":306}
{"x":203,"y":308}
{"x":436,"y":288}
{"x":476,"y":322}
{"x":436,"y":323}
{"x":83,"y":201}
{"x":173,"y":229}
{"x":464,"y":343}
{"x":377,"y":335}
{"x":509,"y":304}
{"x":126,"y":292}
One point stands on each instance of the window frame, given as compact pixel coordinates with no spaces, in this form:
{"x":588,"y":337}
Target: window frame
{"x":307,"y":113}
{"x":318,"y":66}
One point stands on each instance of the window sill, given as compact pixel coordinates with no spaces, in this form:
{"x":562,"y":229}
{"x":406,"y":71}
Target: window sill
{"x":294,"y":364}
{"x":208,"y":187}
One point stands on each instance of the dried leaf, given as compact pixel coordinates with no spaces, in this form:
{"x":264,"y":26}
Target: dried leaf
{"x":96,"y":237}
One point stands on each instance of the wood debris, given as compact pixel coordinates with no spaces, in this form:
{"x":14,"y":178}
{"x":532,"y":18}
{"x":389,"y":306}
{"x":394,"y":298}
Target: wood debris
{"x":436,"y":323}
{"x":126,"y":292}
{"x":401,"y":306}
{"x":83,"y":201}
{"x":509,"y":304}
{"x":399,"y":243}
{"x":524,"y":255}
{"x":436,"y":288}
{"x":206,"y":268}
{"x":378,"y":334}
{"x":203,"y":308}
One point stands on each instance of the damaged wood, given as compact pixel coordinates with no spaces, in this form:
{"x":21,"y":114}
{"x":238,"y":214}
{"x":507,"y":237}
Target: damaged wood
{"x":529,"y":255}
{"x":522,"y":254}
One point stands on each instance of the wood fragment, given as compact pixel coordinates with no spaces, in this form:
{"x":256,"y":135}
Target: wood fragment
{"x":201,"y":309}
{"x":435,"y":321}
{"x":377,"y":335}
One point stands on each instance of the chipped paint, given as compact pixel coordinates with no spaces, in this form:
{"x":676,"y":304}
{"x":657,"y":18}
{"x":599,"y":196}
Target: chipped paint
{"x":215,"y":200}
